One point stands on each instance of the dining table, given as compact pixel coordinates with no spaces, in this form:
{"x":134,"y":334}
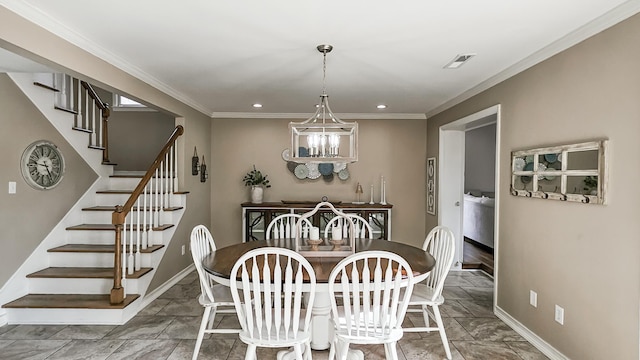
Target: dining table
{"x":220,"y":262}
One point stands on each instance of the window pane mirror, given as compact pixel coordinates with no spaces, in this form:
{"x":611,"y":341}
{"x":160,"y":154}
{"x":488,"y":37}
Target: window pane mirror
{"x":575,"y":172}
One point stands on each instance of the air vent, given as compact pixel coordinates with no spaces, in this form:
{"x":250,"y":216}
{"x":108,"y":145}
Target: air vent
{"x":458,"y":61}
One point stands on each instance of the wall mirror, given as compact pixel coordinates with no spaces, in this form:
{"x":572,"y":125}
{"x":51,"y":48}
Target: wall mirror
{"x":575,"y":172}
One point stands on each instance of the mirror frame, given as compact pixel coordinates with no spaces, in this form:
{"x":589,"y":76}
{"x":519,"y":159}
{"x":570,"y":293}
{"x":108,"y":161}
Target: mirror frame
{"x":563,"y":173}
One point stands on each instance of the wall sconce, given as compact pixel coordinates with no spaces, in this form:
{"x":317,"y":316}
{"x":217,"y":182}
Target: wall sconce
{"x":194,"y":162}
{"x":203,"y":171}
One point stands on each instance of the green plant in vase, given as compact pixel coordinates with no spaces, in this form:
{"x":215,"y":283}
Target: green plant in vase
{"x":258,"y":182}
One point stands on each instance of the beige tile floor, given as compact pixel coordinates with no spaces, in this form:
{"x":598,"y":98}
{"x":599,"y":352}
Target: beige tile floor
{"x":167,"y":328}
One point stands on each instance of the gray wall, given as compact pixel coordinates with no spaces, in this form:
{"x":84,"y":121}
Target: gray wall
{"x":30,"y":214}
{"x":480,"y":159}
{"x":581,"y":257}
{"x":394,"y":149}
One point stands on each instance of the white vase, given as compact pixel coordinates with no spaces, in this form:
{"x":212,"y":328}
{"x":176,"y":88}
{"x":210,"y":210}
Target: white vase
{"x":257,"y":193}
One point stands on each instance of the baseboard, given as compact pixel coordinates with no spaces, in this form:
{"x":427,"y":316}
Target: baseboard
{"x":148,"y":298}
{"x":544,"y":347}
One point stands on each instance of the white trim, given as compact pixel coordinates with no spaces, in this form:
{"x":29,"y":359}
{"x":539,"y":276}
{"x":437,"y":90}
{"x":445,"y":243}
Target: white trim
{"x":157,"y":292}
{"x":349,"y":116}
{"x":544,"y":347}
{"x":601,"y":23}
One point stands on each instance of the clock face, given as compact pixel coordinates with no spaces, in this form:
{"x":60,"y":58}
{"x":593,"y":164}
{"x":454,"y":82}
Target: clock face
{"x":42,"y":165}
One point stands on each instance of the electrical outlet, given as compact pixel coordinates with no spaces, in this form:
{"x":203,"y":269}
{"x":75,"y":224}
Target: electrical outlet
{"x":183,"y":248}
{"x":559,"y":315}
{"x":533,"y":298}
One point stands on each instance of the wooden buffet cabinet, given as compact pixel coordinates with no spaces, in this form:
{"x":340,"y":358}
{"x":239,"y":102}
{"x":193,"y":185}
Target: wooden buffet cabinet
{"x":256,"y":217}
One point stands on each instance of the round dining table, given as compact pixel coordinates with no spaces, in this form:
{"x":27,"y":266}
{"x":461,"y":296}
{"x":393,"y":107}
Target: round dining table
{"x":220,"y":262}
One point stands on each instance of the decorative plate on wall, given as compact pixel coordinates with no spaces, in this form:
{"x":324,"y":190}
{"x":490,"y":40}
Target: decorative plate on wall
{"x":301,"y":171}
{"x":325,"y":168}
{"x":343,"y":174}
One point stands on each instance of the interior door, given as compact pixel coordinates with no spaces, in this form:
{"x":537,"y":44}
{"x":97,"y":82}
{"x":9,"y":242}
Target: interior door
{"x":451,"y":171}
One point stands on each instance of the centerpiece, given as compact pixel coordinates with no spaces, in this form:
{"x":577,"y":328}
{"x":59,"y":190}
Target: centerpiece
{"x":258,"y":182}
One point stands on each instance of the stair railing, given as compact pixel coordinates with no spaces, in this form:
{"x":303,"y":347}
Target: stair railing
{"x":136,"y":220}
{"x":91,"y":114}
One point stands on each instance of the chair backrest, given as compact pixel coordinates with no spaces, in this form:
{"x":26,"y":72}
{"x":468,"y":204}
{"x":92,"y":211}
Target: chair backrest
{"x":363,"y":229}
{"x":283,"y":227}
{"x":440,"y":243}
{"x":375,"y":287}
{"x":272,"y":282}
{"x":202,"y":244}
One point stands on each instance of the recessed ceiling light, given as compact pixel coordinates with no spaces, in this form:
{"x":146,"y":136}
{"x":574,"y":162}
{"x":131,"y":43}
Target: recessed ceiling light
{"x":257,"y":105}
{"x":382,"y":106}
{"x":458,"y":61}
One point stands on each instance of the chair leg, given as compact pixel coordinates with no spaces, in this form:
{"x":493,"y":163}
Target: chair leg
{"x":307,"y":351}
{"x":251,"y":352}
{"x":212,"y":316}
{"x":203,"y":326}
{"x":443,"y":335}
{"x":390,"y":351}
{"x":297,"y":349}
{"x":425,"y":315}
{"x":332,"y":349}
{"x":343,"y":349}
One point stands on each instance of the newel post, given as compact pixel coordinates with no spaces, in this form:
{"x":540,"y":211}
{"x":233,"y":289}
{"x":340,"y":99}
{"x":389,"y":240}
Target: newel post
{"x":117,"y":292}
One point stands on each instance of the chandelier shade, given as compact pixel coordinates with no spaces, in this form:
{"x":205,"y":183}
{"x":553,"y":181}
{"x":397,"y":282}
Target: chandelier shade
{"x":323,"y":137}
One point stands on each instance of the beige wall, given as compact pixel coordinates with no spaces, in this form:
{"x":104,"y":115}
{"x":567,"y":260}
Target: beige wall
{"x":582,"y":257}
{"x":30,"y":214}
{"x":394,"y":149}
{"x":29,"y":40}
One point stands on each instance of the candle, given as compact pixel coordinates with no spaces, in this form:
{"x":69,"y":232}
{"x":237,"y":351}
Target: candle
{"x":371,"y":201}
{"x":314,"y":233}
{"x":336,"y":233}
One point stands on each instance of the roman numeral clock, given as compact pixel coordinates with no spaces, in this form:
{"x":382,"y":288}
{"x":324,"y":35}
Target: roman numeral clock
{"x":42,"y":165}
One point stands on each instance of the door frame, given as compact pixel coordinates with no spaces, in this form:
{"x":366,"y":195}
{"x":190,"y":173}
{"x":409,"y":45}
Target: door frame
{"x":449,"y":134}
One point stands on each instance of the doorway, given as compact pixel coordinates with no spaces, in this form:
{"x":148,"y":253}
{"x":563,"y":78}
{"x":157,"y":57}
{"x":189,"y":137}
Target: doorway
{"x":451,"y":196}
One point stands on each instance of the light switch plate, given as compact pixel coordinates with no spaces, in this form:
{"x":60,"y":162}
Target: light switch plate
{"x":533,"y":298}
{"x":559,"y":315}
{"x":12,"y":187}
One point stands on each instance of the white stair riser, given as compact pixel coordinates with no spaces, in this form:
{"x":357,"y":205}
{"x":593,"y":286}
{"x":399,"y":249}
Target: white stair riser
{"x":77,"y":286}
{"x":131,"y":183}
{"x":68,"y":259}
{"x":72,"y":316}
{"x":106,"y":237}
{"x":121,"y":199}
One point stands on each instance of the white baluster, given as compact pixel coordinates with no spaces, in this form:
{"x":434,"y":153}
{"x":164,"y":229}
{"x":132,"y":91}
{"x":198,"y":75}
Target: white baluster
{"x":138,"y":234}
{"x":161,"y":195}
{"x":175,"y":167}
{"x":130,"y":256}
{"x":145,"y":224}
{"x":93,"y":123}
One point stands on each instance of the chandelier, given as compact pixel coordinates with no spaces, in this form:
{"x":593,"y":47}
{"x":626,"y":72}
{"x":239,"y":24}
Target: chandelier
{"x":323,"y":138}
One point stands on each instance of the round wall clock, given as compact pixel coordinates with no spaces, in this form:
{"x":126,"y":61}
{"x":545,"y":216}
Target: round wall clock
{"x":42,"y":165}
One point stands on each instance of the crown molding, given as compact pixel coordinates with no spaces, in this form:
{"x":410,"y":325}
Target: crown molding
{"x":586,"y":31}
{"x":304,"y":116}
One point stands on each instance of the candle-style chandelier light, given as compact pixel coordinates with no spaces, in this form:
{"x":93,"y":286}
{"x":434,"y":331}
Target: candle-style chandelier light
{"x":323,"y":138}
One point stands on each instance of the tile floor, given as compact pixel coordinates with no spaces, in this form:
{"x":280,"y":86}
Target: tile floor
{"x":167,"y":328}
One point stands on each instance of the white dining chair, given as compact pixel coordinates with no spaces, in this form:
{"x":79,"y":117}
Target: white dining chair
{"x":272,"y":281}
{"x":283,"y":227}
{"x":375,"y":287}
{"x":362,"y":227}
{"x":440,"y":243}
{"x":215,"y":298}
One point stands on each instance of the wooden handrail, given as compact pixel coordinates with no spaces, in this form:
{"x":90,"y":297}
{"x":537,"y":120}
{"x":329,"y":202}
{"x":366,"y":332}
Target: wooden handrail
{"x":119,"y":216}
{"x":102,"y":105}
{"x":106,"y":112}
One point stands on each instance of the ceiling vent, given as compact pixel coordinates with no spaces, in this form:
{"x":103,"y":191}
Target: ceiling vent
{"x":458,"y":61}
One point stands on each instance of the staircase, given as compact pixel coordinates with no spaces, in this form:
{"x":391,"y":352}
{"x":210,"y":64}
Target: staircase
{"x":77,"y":284}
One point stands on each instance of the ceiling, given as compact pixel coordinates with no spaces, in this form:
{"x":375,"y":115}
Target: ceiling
{"x":223,"y":56}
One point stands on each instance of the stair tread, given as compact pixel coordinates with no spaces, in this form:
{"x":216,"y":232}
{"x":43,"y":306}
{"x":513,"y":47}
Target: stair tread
{"x":90,"y":248}
{"x":131,"y":191}
{"x":112,"y":227}
{"x":113,"y":208}
{"x":83,"y":273}
{"x":69,"y":301}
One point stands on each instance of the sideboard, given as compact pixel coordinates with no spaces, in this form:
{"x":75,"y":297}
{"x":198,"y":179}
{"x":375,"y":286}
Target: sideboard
{"x":256,"y":217}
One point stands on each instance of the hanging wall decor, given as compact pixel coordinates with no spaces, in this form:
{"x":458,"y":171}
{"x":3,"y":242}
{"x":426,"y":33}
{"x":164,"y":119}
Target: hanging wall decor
{"x":431,"y":186}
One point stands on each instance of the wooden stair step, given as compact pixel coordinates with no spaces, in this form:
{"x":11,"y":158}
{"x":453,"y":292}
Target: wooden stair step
{"x":71,"y":111}
{"x":88,"y":248}
{"x":68,"y":301}
{"x":88,"y":131}
{"x":131,"y":191}
{"x":113,"y":208}
{"x":96,"y":147}
{"x":113,"y":228}
{"x":37,"y":83}
{"x":83,"y":273}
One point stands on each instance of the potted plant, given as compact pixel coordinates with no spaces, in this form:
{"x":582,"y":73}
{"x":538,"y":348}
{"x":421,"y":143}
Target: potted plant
{"x":258,"y":182}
